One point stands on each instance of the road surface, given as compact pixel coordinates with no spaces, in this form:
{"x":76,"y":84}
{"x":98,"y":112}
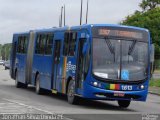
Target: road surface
{"x":20,"y":101}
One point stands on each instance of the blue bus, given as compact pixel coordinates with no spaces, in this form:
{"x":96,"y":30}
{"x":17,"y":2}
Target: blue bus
{"x":92,"y":61}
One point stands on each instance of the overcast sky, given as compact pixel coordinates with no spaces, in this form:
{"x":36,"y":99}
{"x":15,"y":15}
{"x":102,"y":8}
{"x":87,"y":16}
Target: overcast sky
{"x":24,"y":15}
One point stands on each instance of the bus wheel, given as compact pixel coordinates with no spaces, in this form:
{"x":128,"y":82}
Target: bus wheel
{"x":25,"y":85}
{"x":38,"y":88}
{"x":72,"y":99}
{"x":17,"y":83}
{"x":124,"y":103}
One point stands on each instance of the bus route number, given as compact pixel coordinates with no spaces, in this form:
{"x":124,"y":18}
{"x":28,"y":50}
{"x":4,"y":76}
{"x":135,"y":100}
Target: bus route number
{"x":126,"y":87}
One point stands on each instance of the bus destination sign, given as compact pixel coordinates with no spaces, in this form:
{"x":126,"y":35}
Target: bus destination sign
{"x":120,"y":33}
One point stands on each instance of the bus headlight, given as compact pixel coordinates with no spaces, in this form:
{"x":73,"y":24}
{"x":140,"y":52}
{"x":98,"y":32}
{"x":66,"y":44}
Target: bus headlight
{"x":142,"y":86}
{"x":95,"y":84}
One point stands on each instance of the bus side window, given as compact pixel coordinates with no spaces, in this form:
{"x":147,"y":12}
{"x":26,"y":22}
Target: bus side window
{"x":69,"y":44}
{"x":19,"y":47}
{"x":22,"y":44}
{"x":72,"y":44}
{"x":66,"y":42}
{"x":37,"y":44}
{"x":49,"y":43}
{"x":25,"y":44}
{"x":40,"y":44}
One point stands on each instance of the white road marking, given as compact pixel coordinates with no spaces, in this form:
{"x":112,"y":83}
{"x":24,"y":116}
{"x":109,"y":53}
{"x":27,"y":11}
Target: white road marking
{"x":16,"y":102}
{"x":6,"y":103}
{"x":28,"y":106}
{"x":11,"y":113}
{"x":68,"y":118}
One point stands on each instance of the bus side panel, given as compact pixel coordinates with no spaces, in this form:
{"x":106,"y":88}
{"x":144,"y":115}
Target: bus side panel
{"x":43,"y":65}
{"x":46,"y":76}
{"x":21,"y":61}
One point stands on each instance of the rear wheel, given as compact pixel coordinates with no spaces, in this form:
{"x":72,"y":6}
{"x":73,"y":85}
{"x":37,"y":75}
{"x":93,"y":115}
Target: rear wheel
{"x":124,"y":103}
{"x":72,"y":99}
{"x":25,"y":85}
{"x":38,"y":88}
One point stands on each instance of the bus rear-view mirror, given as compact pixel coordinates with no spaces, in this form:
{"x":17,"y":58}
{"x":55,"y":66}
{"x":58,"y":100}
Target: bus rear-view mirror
{"x":152,"y":53}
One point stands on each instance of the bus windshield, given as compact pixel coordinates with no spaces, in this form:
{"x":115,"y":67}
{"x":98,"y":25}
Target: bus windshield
{"x":120,"y":59}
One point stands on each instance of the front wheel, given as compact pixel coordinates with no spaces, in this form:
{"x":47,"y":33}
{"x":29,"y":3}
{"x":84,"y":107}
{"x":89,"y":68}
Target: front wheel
{"x":72,"y":99}
{"x":124,"y":103}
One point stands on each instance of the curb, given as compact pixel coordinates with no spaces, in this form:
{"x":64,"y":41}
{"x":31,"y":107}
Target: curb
{"x":154,"y":93}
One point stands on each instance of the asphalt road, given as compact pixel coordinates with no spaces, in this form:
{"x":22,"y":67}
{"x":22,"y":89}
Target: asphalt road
{"x":21,"y":101}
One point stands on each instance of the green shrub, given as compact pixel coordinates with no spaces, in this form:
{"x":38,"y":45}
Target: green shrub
{"x":157,"y":64}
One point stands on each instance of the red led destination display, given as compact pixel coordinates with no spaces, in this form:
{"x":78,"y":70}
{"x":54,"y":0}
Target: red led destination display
{"x":118,"y":32}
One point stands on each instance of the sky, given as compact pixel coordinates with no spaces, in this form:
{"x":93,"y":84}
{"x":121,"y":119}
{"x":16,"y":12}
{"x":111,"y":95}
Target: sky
{"x":24,"y":15}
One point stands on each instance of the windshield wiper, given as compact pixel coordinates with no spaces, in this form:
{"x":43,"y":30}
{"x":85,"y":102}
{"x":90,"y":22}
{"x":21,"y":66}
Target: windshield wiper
{"x":111,"y":48}
{"x":131,"y":48}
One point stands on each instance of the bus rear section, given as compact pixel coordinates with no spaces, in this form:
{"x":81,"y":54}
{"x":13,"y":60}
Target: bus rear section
{"x":18,"y":55}
{"x":119,"y":65}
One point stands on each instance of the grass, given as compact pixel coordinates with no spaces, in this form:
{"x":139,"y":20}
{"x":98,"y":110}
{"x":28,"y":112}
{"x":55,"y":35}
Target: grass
{"x":154,"y":83}
{"x":157,"y":71}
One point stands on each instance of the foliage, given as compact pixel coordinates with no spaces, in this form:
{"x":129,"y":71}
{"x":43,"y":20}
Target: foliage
{"x":150,"y":20}
{"x":149,"y":4}
{"x":154,"y":83}
{"x":5,"y":51}
{"x":157,"y":64}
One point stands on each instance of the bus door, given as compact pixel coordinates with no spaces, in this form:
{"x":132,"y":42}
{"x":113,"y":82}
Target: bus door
{"x":80,"y":63}
{"x":57,"y":55}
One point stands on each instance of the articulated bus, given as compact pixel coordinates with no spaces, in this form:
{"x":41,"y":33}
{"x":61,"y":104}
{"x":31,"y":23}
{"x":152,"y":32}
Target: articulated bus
{"x":96,"y":62}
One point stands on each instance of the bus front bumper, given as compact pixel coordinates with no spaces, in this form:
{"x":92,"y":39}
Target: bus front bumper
{"x":91,"y":92}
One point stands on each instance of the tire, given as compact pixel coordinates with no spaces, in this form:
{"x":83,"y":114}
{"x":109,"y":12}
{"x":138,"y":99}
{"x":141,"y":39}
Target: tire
{"x":17,"y":83}
{"x":38,"y":88}
{"x":124,"y":103}
{"x":5,"y":68}
{"x":25,"y":85}
{"x":72,"y":99}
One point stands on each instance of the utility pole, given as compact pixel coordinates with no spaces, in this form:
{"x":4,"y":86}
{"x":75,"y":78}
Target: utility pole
{"x":81,"y":12}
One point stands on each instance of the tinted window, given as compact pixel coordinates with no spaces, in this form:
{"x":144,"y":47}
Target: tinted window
{"x":69,"y":44}
{"x":44,"y":44}
{"x":49,"y":43}
{"x":72,"y":44}
{"x":22,"y":44}
{"x":66,"y":44}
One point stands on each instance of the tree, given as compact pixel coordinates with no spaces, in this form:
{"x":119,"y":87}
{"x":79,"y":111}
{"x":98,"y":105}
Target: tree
{"x":149,"y":4}
{"x":5,"y":51}
{"x":149,"y":19}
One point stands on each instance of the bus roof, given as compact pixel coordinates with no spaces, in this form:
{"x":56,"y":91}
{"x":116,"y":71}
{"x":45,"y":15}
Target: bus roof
{"x":121,"y":26}
{"x":84,"y":26}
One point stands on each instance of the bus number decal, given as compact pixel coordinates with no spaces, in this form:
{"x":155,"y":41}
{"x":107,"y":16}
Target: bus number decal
{"x":126,"y":87}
